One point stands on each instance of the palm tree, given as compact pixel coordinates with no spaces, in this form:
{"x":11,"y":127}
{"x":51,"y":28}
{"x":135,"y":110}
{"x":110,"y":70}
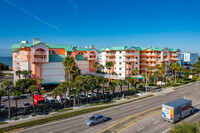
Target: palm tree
{"x":156,"y":75}
{"x":78,"y":86}
{"x":68,"y":62}
{"x":135,"y":71}
{"x":174,"y":67}
{"x":32,"y":89}
{"x":179,"y":69}
{"x":133,"y":81}
{"x":108,"y":66}
{"x":73,"y":92}
{"x":144,"y":76}
{"x":59,"y":92}
{"x":163,"y":73}
{"x":185,"y":128}
{"x":17,"y":93}
{"x":121,"y":83}
{"x":24,"y":73}
{"x":43,"y":92}
{"x":104,"y":81}
{"x":151,"y":69}
{"x":197,"y":68}
{"x":128,"y":79}
{"x":75,"y":71}
{"x":65,"y":87}
{"x":18,"y":73}
{"x":101,"y":67}
{"x":39,"y":83}
{"x":97,"y":82}
{"x":157,"y":66}
{"x":96,"y":65}
{"x":87,"y":85}
{"x":7,"y":85}
{"x":29,"y":73}
{"x":1,"y":94}
{"x":112,"y":85}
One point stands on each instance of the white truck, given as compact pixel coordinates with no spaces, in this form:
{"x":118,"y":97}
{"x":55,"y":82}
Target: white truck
{"x":176,"y":110}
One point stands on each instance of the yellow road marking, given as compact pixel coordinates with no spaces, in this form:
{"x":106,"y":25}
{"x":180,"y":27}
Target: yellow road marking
{"x":13,"y":130}
{"x":128,"y":118}
{"x":137,"y":121}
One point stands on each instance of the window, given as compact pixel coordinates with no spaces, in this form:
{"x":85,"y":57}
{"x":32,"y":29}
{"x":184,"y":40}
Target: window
{"x":129,"y":63}
{"x":126,"y":63}
{"x":120,"y":68}
{"x":115,"y":68}
{"x":129,"y":74}
{"x":129,"y":69}
{"x":120,"y":74}
{"x":128,"y":51}
{"x":136,"y":57}
{"x":136,"y":68}
{"x":120,"y":63}
{"x":136,"y":62}
{"x":120,"y":52}
{"x":52,"y":52}
{"x":126,"y":68}
{"x":80,"y":53}
{"x":120,"y":57}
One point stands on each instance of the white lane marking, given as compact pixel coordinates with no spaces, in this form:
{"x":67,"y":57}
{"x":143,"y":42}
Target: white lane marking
{"x":195,"y":114}
{"x":89,"y":129}
{"x":111,"y":122}
{"x":140,"y":129}
{"x":166,"y":130}
{"x":156,"y":122}
{"x":196,"y":103}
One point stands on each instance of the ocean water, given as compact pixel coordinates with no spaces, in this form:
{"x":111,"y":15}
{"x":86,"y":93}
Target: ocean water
{"x":6,"y":60}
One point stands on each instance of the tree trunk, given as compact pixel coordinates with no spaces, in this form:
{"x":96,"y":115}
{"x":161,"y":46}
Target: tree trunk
{"x":109,"y":74}
{"x":33,"y":103}
{"x":78,"y":99}
{"x":74,"y":101}
{"x":0,"y":104}
{"x":16,"y":105}
{"x":175,"y":76}
{"x":69,"y":75}
{"x":121,"y":90}
{"x":9,"y":115}
{"x":113,"y":93}
{"x":87,"y":97}
{"x":103,"y":93}
{"x":65,"y":100}
{"x":128,"y":88}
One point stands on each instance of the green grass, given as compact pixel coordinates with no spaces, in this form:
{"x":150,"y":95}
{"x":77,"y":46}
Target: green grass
{"x":1,"y":123}
{"x":66,"y":115}
{"x":62,"y":110}
{"x":101,"y":103}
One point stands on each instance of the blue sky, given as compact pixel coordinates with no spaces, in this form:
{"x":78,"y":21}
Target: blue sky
{"x":171,"y":23}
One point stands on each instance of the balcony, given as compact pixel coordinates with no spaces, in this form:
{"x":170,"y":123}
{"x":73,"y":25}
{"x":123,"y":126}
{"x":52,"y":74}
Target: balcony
{"x":92,"y":54}
{"x":16,"y":53}
{"x":130,"y":54}
{"x":39,"y":53}
{"x":112,"y":59}
{"x":20,"y":60}
{"x":175,"y":59}
{"x":40,"y":60}
{"x":24,"y":53}
{"x":110,"y":54}
{"x":175,"y":55}
{"x":129,"y":60}
{"x":149,"y":54}
{"x":93,"y":58}
{"x":144,"y":64}
{"x":151,"y":65}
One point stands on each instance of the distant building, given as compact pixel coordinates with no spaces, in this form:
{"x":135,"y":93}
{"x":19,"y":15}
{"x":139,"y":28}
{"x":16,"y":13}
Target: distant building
{"x":188,"y":58}
{"x":45,"y":60}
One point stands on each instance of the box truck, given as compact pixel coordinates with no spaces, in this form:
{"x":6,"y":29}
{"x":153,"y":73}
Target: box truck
{"x":176,"y":110}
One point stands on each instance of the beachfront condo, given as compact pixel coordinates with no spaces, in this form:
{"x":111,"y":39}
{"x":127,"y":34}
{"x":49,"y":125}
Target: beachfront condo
{"x":45,"y":60}
{"x":127,"y":58}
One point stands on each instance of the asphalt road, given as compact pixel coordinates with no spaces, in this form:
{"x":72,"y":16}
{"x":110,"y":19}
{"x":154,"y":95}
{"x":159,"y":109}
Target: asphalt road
{"x":151,"y":124}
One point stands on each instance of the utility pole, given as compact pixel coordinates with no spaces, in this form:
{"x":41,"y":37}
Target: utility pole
{"x":8,"y":92}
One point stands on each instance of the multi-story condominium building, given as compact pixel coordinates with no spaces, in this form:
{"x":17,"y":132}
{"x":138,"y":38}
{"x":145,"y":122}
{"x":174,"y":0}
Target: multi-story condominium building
{"x":188,"y":58}
{"x":127,"y":58}
{"x":45,"y":60}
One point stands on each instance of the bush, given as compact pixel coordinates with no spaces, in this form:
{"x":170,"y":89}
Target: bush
{"x":98,"y":71}
{"x":195,"y":78}
{"x":152,"y":84}
{"x":103,"y":72}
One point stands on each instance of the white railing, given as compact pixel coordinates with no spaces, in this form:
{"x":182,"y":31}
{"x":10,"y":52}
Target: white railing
{"x":109,"y":54}
{"x":130,"y":54}
{"x":16,"y":53}
{"x":92,"y":54}
{"x":39,"y":53}
{"x":40,"y":60}
{"x":24,"y":53}
{"x":129,"y":60}
{"x":110,"y":59}
{"x":175,"y":59}
{"x":149,"y":59}
{"x":149,"y":54}
{"x":20,"y":60}
{"x":151,"y":65}
{"x":174,"y":54}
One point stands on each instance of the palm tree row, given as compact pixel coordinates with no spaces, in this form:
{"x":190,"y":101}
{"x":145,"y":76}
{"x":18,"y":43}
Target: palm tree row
{"x":24,"y":73}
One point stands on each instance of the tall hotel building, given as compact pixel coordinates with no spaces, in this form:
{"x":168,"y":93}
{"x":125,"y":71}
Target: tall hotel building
{"x":127,"y":58}
{"x":45,"y":60}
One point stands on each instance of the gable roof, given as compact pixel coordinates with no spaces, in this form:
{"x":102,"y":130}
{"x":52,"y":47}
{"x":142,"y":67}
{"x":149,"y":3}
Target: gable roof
{"x":16,"y":47}
{"x":83,"y":49}
{"x":117,"y":48}
{"x":56,"y":58}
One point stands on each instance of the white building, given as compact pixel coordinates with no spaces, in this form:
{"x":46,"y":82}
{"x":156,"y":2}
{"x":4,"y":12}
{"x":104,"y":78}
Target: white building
{"x":188,"y":58}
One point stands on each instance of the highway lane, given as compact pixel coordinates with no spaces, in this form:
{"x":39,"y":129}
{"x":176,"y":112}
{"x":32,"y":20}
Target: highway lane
{"x":73,"y":125}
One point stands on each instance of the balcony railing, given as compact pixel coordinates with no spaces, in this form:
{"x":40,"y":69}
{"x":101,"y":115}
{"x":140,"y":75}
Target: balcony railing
{"x":39,"y":53}
{"x":40,"y":60}
{"x":92,"y":58}
{"x":92,"y":54}
{"x":112,"y":59}
{"x":175,"y":59}
{"x":174,"y":54}
{"x":149,"y":54}
{"x":129,"y":60}
{"x":130,"y":54}
{"x":16,"y":53}
{"x":24,"y":53}
{"x":20,"y":60}
{"x":110,"y":54}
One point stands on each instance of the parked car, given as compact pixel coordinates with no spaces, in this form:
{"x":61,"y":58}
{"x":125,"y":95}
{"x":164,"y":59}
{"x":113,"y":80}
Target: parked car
{"x":26,"y":105}
{"x":72,"y":98}
{"x":95,"y":119}
{"x":3,"y":107}
{"x":82,"y":97}
{"x":89,"y":95}
{"x":50,"y":99}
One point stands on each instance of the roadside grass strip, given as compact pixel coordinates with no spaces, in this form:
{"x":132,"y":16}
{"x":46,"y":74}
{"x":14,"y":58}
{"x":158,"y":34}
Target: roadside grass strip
{"x":120,"y":123}
{"x":62,"y":116}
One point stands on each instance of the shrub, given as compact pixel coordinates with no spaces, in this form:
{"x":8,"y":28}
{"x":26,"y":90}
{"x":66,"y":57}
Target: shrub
{"x":98,"y":71}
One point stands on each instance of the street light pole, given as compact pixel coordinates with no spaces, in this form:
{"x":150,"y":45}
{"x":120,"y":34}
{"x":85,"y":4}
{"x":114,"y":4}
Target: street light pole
{"x":9,"y":115}
{"x":146,"y":79}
